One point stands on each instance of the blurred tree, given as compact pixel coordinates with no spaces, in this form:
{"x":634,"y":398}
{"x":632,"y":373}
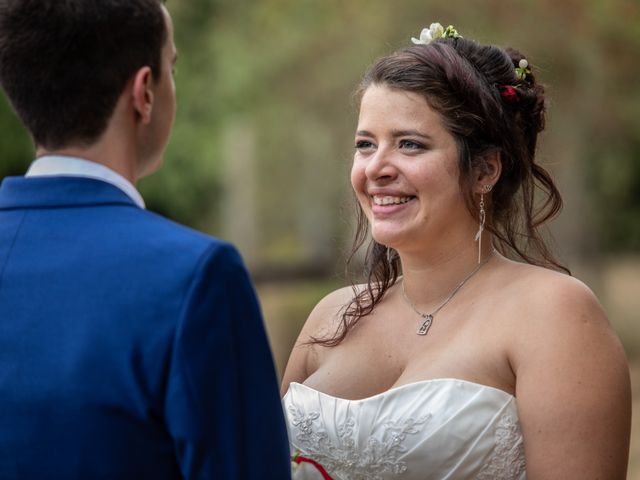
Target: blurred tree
{"x":283,"y":72}
{"x":613,"y":150}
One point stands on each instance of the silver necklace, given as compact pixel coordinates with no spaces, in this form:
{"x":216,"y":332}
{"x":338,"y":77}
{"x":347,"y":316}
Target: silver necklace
{"x":428,"y":317}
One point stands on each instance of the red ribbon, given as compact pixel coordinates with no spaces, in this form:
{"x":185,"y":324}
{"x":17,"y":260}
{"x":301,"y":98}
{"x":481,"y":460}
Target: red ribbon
{"x":299,"y":459}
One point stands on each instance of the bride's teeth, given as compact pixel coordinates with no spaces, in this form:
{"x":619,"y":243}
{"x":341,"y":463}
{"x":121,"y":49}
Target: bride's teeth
{"x":390,"y":200}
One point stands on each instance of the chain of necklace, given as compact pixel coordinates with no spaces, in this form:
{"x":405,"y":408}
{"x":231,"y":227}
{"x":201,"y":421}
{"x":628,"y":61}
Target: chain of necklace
{"x":428,"y":317}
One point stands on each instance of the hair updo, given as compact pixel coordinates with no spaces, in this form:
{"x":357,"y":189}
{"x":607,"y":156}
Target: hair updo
{"x":462,"y":80}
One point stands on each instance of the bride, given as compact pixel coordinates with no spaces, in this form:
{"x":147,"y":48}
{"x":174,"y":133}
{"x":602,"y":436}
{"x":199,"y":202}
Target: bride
{"x":454,"y":361}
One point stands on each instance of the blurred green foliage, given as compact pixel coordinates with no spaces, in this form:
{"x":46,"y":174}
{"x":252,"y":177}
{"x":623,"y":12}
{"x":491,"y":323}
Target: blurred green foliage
{"x":15,"y":144}
{"x":271,"y":81}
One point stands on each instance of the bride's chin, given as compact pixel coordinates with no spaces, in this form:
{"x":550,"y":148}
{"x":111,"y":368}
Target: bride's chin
{"x":388,"y":240}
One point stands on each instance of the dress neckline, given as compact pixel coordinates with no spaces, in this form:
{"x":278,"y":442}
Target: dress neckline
{"x":402,"y":387}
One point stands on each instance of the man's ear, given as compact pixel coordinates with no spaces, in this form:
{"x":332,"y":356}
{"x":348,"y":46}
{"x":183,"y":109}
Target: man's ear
{"x":488,"y":173}
{"x":142,"y":94}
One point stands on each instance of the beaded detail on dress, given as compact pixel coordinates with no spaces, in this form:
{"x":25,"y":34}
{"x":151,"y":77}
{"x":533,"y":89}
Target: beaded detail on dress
{"x":442,"y":429}
{"x":507,"y":460}
{"x":380,"y":455}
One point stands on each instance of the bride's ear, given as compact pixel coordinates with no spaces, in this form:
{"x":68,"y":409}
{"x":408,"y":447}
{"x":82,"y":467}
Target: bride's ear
{"x":487,"y":173}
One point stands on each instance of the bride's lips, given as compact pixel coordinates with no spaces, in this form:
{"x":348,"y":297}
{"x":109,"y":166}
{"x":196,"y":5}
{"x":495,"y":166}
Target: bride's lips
{"x":386,"y":203}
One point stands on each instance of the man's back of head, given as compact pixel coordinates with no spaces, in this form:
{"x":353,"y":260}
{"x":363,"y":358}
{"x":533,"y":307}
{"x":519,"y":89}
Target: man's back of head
{"x":64,"y":64}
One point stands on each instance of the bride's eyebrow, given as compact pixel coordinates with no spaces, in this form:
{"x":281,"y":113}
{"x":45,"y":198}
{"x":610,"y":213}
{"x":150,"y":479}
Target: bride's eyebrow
{"x":364,"y":133}
{"x":410,"y":133}
{"x":397,"y":133}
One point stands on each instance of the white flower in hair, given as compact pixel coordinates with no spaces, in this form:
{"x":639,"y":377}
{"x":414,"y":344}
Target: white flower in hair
{"x":522,"y":70}
{"x":430,"y":34}
{"x":434,"y":32}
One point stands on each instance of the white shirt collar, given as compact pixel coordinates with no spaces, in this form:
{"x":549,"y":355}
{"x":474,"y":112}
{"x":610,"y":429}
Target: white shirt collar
{"x":59,"y":165}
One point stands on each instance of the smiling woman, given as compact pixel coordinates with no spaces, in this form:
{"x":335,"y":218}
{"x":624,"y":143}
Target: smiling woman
{"x":453,"y":360}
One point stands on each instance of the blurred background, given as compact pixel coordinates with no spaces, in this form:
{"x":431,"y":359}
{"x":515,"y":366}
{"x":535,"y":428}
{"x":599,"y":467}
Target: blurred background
{"x":263,"y":141}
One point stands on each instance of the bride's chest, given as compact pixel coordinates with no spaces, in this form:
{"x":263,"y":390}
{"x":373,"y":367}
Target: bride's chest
{"x":365,"y":366}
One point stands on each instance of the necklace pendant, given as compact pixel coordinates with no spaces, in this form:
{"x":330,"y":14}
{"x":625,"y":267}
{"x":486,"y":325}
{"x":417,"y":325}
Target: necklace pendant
{"x":426,"y":325}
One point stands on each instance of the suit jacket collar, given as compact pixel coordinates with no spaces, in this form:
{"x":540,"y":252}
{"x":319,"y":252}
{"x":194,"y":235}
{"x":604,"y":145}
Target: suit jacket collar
{"x":62,"y":165}
{"x":39,"y":192}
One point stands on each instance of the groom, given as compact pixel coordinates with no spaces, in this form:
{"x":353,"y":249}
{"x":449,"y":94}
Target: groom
{"x":130,"y":347}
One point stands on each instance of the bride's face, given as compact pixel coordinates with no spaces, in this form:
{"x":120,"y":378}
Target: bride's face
{"x":405,"y":171}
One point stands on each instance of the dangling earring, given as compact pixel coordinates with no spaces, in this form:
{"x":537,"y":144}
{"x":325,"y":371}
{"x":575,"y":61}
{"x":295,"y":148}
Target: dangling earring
{"x":482,"y":215}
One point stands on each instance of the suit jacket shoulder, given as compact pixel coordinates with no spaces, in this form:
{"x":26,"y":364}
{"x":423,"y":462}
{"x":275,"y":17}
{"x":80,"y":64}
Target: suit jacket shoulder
{"x":131,"y":347}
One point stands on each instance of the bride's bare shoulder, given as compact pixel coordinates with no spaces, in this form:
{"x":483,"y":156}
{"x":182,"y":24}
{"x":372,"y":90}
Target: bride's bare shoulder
{"x":542,"y":293}
{"x":570,"y":369}
{"x":327,"y":313}
{"x":323,"y":322}
{"x":560,"y":332}
{"x":551,"y":313}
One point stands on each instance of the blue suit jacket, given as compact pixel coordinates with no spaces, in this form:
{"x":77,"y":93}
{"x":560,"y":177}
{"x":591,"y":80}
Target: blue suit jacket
{"x":130,"y":347}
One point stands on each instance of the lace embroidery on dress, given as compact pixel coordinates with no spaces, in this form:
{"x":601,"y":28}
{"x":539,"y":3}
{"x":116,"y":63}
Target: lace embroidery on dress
{"x":507,"y":461}
{"x":378,"y":456}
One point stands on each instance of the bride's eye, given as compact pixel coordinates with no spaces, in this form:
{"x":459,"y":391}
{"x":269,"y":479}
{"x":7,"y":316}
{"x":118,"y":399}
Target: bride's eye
{"x":410,"y":145}
{"x":364,"y":145}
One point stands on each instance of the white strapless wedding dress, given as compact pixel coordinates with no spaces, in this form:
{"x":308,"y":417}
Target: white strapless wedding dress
{"x":429,"y":430}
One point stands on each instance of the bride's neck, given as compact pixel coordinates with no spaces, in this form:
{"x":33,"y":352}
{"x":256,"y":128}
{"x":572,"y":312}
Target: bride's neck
{"x":428,"y":277}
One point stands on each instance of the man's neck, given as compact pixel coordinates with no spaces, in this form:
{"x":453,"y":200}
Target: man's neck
{"x":122,"y":146}
{"x":96,"y":154}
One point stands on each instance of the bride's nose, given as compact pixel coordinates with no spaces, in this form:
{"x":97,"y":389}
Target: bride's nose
{"x":381,"y":166}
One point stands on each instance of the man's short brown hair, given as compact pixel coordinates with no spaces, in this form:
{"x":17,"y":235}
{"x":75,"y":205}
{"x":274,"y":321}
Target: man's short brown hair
{"x":65,"y":63}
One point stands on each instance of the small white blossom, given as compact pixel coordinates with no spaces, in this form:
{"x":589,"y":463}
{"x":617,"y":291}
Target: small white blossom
{"x":436,"y":31}
{"x":522,"y":70}
{"x":427,"y":35}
